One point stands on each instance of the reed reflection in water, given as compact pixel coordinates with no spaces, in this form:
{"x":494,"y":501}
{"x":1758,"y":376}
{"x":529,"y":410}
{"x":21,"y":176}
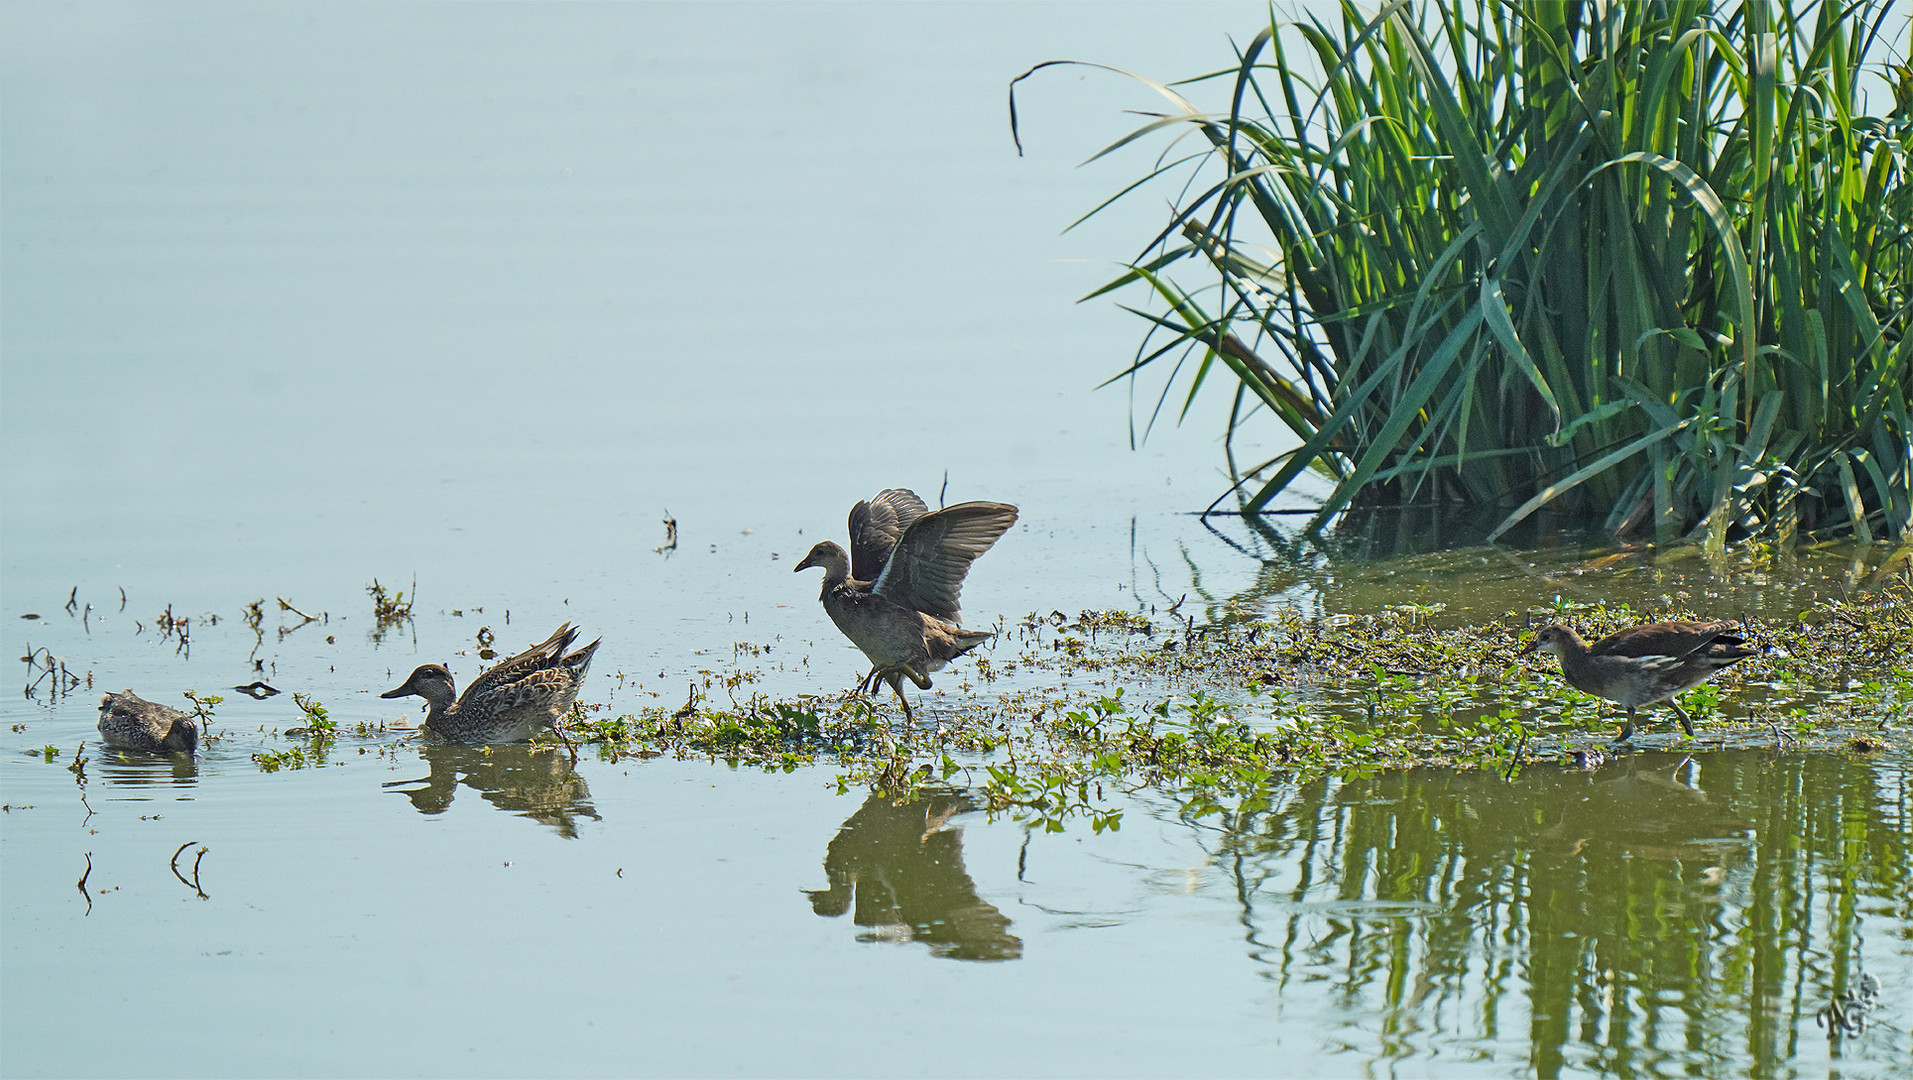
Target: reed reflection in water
{"x":900,"y":866}
{"x":1660,"y":914}
{"x":535,"y":782}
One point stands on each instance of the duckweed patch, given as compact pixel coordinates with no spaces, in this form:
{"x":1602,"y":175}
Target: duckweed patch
{"x":1116,"y":702}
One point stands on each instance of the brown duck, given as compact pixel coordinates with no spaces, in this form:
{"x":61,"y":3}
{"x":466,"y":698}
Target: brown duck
{"x":130,"y":722}
{"x":895,"y":593}
{"x":508,"y":703}
{"x":1644,"y":664}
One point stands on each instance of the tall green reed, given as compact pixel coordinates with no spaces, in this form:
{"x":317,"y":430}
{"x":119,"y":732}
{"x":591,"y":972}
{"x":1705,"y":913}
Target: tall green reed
{"x":1645,"y":264}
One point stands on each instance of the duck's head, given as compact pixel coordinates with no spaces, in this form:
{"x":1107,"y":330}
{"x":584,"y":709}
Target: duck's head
{"x":183,"y":737}
{"x":831,"y":557}
{"x":1552,"y":639}
{"x":433,"y":682}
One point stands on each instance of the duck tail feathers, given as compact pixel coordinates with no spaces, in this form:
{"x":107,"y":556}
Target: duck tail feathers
{"x":581,"y":659}
{"x":970,"y":639}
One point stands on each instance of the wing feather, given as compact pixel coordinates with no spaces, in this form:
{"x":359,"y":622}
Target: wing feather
{"x":551,"y":689}
{"x":926,"y":567}
{"x":1676,"y":639}
{"x":876,"y":524}
{"x":537,"y":658}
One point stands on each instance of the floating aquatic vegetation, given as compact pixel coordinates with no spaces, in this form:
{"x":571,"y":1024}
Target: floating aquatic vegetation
{"x":390,"y":608}
{"x":318,"y":726}
{"x":1232,"y":708}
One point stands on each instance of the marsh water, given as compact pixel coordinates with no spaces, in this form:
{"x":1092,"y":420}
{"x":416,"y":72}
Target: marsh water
{"x":468,"y":301}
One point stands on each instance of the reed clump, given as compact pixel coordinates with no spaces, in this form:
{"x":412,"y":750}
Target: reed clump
{"x":1644,"y":264}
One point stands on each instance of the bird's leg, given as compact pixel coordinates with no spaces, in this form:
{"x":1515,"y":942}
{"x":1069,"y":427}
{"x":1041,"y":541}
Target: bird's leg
{"x":1627,"y":729}
{"x":569,"y":745}
{"x":868,"y":684}
{"x":1686,"y":724}
{"x":895,"y":679}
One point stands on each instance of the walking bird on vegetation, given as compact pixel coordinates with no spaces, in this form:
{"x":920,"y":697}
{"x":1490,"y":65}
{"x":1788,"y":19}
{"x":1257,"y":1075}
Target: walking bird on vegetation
{"x":130,"y":722}
{"x":895,"y":593}
{"x":1644,"y":664}
{"x":510,"y":702}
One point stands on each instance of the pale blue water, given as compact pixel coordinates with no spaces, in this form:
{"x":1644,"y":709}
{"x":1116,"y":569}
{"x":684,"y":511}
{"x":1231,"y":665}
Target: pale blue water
{"x":296,"y":297}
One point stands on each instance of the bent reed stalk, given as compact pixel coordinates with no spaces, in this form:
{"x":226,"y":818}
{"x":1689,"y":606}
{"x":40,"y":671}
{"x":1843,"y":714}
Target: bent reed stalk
{"x":1644,"y":264}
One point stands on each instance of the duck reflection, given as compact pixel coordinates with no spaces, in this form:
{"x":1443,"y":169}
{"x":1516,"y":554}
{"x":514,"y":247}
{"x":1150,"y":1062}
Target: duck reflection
{"x":530,"y":781}
{"x":142,"y":770}
{"x":903,"y":871}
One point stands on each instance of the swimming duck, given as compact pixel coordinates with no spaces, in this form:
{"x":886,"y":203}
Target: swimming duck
{"x":1644,"y":664}
{"x":895,"y":593}
{"x":130,"y":722}
{"x":508,"y":703}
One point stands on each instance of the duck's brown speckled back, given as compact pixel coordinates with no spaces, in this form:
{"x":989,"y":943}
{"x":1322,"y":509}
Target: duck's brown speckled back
{"x":130,"y":722}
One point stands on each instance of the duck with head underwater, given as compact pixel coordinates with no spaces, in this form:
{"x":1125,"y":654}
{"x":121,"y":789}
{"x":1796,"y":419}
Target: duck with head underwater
{"x":130,"y":722}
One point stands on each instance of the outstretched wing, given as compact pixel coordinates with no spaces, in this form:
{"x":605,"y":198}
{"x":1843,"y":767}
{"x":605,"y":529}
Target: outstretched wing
{"x":926,"y":568}
{"x":876,"y":525}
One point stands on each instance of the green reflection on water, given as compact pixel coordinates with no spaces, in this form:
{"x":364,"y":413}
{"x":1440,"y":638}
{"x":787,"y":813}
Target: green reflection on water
{"x":1382,"y":559}
{"x":1658,"y":914}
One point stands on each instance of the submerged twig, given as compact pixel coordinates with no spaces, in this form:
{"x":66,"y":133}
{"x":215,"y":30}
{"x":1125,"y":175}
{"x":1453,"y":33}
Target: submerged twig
{"x":690,"y":707}
{"x":173,"y":864}
{"x":48,"y":666}
{"x":286,"y":605}
{"x":304,"y":619}
{"x":1514,"y":762}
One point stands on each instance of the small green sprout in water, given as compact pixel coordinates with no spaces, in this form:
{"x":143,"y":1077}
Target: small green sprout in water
{"x":202,"y":703}
{"x":389,"y":607}
{"x":1702,"y":701}
{"x":607,"y":731}
{"x":49,"y":752}
{"x":273,"y":761}
{"x":318,"y":725}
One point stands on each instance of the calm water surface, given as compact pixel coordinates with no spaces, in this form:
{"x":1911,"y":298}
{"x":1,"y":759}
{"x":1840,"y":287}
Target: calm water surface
{"x":294,"y":298}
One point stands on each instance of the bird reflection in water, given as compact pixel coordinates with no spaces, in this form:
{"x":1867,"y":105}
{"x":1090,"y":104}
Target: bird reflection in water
{"x":1641,"y":806}
{"x":143,"y":770}
{"x":903,"y":870}
{"x":531,"y":781}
